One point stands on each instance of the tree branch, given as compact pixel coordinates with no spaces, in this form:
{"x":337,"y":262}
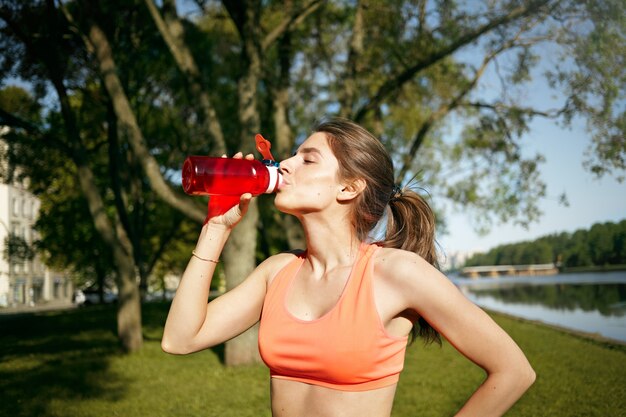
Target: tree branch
{"x":10,"y":120}
{"x":444,"y":109}
{"x":293,"y":19}
{"x":172,"y":31}
{"x":128,"y":122}
{"x":394,"y":84}
{"x":498,"y":107}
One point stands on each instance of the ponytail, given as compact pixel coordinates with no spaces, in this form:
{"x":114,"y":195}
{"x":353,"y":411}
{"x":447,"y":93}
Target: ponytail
{"x":411,"y":227}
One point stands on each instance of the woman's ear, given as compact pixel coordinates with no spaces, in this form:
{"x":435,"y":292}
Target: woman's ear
{"x":351,"y":190}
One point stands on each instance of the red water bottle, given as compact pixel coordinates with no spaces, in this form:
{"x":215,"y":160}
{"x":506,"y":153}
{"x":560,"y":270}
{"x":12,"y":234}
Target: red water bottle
{"x":205,"y":175}
{"x":226,"y":179}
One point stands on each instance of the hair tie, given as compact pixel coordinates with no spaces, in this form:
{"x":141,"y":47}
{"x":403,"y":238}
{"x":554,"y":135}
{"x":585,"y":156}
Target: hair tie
{"x":396,"y":193}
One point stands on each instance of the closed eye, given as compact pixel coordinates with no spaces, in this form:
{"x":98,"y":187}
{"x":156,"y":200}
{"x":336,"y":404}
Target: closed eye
{"x":306,"y":154}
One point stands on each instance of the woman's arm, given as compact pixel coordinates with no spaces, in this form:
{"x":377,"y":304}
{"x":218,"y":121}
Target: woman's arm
{"x":469,"y":329}
{"x":192,"y":324}
{"x":188,"y":312}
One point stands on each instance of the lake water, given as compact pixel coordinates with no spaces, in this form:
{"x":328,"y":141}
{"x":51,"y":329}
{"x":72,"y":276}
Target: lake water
{"x":587,"y":302}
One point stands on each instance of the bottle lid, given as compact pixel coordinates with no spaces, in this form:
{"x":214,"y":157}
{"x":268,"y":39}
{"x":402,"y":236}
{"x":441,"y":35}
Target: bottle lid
{"x":263,"y":146}
{"x":276,"y":178}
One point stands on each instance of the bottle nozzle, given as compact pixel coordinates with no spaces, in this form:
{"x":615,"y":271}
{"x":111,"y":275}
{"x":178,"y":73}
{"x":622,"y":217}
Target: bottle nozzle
{"x":263,"y":146}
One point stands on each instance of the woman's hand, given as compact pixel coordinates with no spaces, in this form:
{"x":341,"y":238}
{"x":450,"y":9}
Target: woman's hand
{"x":228,"y":210}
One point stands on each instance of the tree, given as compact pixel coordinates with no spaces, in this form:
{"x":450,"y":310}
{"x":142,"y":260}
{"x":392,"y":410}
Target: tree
{"x":85,"y":117}
{"x":600,"y":245}
{"x":404,"y":69}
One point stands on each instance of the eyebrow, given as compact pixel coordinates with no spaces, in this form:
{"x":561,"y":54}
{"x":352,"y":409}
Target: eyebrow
{"x":309,"y":150}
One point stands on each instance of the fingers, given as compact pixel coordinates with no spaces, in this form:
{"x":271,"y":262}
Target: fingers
{"x":239,"y":155}
{"x":244,"y":202}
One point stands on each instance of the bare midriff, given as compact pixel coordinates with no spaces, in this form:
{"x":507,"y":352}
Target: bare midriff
{"x":298,"y":399}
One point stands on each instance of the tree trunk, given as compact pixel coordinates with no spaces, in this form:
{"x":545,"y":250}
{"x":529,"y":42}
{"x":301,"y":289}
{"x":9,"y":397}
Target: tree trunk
{"x":348,"y":92}
{"x":129,"y":305}
{"x":129,"y":308}
{"x":239,"y":261}
{"x":284,"y":140}
{"x":239,"y":254}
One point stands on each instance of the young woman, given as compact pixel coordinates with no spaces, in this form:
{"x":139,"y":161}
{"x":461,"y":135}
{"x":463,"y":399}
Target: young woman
{"x":336,"y":318}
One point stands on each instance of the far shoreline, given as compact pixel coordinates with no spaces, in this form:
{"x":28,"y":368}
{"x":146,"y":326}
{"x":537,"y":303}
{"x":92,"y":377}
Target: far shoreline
{"x":588,"y":336}
{"x":594,"y":268}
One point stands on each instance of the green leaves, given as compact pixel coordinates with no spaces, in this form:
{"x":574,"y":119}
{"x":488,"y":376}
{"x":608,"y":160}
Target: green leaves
{"x":445,"y":86}
{"x":603,"y":244}
{"x":17,"y":249}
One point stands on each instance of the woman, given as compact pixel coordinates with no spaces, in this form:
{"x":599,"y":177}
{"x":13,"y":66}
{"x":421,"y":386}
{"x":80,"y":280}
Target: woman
{"x":335,"y":319}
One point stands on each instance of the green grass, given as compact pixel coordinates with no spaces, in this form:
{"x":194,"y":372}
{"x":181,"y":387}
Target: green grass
{"x":69,"y":364}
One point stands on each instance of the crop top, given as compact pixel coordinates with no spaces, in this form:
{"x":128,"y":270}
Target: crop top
{"x":346,"y":349}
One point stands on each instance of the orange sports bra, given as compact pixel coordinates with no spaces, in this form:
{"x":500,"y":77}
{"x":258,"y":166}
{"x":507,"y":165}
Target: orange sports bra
{"x":346,"y":349}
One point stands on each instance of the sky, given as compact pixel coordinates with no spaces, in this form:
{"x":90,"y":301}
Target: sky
{"x":591,"y":200}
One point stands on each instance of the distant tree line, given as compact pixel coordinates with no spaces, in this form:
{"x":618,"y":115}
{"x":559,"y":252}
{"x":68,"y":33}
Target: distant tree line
{"x":603,"y":244}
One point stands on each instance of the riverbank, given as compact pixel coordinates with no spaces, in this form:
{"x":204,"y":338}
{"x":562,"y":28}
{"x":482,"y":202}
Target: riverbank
{"x":561,"y":270}
{"x":596,"y":338}
{"x":68,"y":363}
{"x":599,"y":268}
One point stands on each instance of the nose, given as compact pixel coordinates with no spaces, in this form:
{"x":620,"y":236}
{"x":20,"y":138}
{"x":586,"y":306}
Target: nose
{"x":284,"y":166}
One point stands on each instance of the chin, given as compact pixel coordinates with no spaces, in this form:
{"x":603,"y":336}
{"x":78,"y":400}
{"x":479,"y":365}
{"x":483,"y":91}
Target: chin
{"x":280,"y":204}
{"x":288,"y":205}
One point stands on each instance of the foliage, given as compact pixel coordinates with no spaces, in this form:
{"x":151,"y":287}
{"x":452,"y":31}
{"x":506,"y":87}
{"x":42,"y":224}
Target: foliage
{"x":121,"y":91}
{"x":420,"y":74}
{"x":17,"y":249}
{"x":594,"y":61}
{"x":67,"y":364}
{"x":603,"y":244}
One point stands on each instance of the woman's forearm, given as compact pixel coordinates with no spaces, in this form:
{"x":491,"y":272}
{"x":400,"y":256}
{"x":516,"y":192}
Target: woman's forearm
{"x":498,"y":393}
{"x":188,"y":310}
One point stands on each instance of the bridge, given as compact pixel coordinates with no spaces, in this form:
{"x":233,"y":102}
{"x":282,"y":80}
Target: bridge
{"x":509,"y":270}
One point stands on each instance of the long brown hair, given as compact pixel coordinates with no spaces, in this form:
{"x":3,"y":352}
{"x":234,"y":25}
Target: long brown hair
{"x":410,"y":220}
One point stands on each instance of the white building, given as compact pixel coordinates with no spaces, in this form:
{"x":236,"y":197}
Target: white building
{"x":30,"y":282}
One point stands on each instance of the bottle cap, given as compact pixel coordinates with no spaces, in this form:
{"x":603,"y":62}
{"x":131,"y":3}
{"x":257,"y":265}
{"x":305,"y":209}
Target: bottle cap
{"x":276,"y":178}
{"x":263,"y":146}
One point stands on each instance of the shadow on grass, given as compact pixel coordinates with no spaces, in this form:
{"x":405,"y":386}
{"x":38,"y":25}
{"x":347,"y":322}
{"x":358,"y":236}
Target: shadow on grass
{"x":154,"y":315}
{"x":65,"y":357}
{"x":57,"y":355}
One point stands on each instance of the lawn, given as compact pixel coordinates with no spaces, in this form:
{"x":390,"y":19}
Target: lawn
{"x":69,"y":364}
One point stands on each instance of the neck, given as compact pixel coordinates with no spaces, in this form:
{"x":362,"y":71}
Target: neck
{"x":331,"y":241}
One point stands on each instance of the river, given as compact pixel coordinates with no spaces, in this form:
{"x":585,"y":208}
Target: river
{"x":587,"y":302}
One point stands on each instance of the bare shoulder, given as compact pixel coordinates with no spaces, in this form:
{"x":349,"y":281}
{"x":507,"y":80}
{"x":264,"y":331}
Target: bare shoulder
{"x":408,"y":275}
{"x":272,"y":265}
{"x":398,"y":265}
